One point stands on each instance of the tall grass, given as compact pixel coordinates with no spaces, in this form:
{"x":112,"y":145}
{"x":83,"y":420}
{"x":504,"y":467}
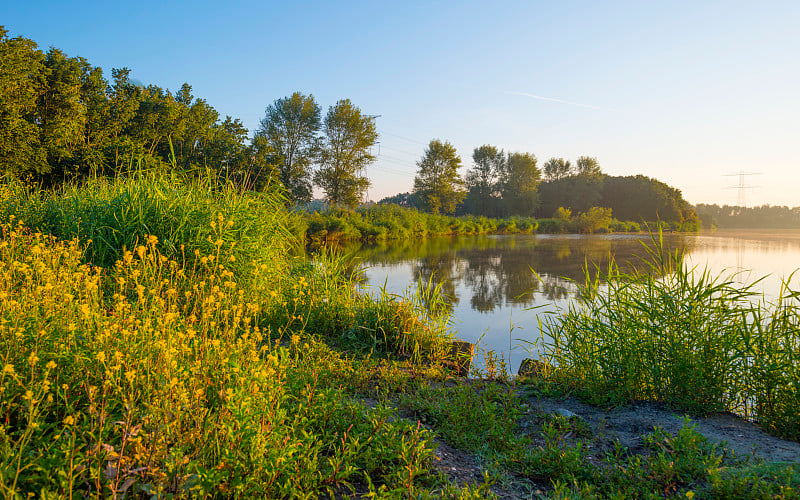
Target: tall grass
{"x":113,"y":214}
{"x":199,"y":366}
{"x":691,"y":339}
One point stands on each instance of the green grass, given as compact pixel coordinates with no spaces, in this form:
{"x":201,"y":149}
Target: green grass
{"x":197,"y":366}
{"x":391,"y":222}
{"x":183,"y":352}
{"x":696,"y":341}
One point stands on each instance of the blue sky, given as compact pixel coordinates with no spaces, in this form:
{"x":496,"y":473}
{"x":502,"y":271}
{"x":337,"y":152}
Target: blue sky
{"x":681,"y":91}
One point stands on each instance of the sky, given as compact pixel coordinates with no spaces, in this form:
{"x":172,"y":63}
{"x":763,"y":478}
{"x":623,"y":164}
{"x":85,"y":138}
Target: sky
{"x":685,"y":92}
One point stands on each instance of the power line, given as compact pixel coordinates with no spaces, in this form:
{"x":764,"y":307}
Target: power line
{"x":414,"y":141}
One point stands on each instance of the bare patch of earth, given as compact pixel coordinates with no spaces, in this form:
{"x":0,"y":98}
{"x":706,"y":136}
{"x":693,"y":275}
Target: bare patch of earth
{"x":628,"y":424}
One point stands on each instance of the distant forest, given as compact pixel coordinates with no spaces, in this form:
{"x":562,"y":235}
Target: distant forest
{"x":631,"y":198}
{"x":763,"y":217}
{"x":61,"y":120}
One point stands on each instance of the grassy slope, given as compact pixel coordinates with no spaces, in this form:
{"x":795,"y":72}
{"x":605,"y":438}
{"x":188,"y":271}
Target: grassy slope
{"x":202,"y":360}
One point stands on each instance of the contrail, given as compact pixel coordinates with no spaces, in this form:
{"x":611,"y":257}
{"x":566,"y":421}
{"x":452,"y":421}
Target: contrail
{"x":553,"y":99}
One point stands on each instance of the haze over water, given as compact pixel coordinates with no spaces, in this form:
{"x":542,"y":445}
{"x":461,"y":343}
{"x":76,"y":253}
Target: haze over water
{"x":496,"y":297}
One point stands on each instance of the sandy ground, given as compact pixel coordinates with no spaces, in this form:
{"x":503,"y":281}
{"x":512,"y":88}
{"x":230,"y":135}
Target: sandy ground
{"x":628,"y":423}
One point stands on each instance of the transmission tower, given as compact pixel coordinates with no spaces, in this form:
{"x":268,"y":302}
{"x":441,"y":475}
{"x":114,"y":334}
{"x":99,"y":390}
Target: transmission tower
{"x":742,"y":187}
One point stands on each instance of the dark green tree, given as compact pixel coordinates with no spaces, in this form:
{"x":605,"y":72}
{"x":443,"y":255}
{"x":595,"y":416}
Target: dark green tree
{"x":438,"y":183}
{"x":482,"y":180}
{"x":349,"y":136}
{"x":557,"y":168}
{"x":588,"y":165}
{"x":22,"y":77}
{"x":290,"y":126}
{"x":519,"y":181}
{"x":577,"y":192}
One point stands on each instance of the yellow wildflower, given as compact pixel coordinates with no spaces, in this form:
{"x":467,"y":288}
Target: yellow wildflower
{"x":69,"y":420}
{"x":9,"y":368}
{"x":101,"y":356}
{"x":33,"y":359}
{"x":50,"y":365}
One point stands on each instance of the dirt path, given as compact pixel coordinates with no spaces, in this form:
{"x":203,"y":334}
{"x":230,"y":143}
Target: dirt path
{"x":628,"y":423}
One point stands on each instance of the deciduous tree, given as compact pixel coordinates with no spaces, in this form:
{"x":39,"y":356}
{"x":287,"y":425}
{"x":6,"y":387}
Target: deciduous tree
{"x":482,"y":180}
{"x":519,"y":181}
{"x":345,"y":153}
{"x":588,"y":165}
{"x":438,"y":183}
{"x":557,"y":168}
{"x":291,"y":127}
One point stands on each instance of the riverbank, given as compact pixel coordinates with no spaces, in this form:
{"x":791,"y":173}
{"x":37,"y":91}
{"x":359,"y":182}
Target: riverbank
{"x":390,"y":222}
{"x":156,"y":338}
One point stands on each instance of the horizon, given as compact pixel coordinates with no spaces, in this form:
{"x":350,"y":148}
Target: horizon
{"x":686,"y":93}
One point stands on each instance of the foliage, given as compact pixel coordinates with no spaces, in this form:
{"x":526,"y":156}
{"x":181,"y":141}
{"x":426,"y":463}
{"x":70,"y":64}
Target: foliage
{"x":112,"y":215}
{"x":345,"y":153}
{"x":520,"y":180}
{"x":239,"y":373}
{"x":685,"y":337}
{"x":392,"y":222}
{"x":22,"y":76}
{"x":642,"y":198}
{"x":577,"y":192}
{"x":764,"y":216}
{"x":61,"y":120}
{"x":482,"y":181}
{"x":588,"y":165}
{"x":289,"y":132}
{"x":557,"y":168}
{"x":438,"y":183}
{"x":166,"y":376}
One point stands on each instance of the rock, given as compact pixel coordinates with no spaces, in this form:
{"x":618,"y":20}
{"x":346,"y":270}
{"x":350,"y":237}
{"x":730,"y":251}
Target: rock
{"x":531,"y":368}
{"x":461,"y":357}
{"x":566,"y":413}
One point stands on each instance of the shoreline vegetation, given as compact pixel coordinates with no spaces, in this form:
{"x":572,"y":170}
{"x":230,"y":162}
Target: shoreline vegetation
{"x":159,"y":340}
{"x":391,"y":222}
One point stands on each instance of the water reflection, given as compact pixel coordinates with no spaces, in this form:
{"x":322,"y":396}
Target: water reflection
{"x":494,"y":281}
{"x":495,"y":271}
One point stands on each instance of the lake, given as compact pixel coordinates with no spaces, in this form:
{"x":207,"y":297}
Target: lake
{"x":498,"y":285}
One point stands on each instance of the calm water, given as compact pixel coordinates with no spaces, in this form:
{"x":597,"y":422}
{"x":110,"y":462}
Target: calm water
{"x":495,"y":293}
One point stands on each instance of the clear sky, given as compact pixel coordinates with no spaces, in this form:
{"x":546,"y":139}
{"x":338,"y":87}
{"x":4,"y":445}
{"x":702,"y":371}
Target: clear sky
{"x":685,"y":92}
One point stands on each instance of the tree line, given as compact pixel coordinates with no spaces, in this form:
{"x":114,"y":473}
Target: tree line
{"x":61,"y":120}
{"x":765,"y":216}
{"x":503,"y":184}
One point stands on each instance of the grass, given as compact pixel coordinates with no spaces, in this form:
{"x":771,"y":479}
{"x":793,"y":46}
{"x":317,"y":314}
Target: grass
{"x":157,"y":339}
{"x":391,"y":222}
{"x":205,"y":375}
{"x":698,"y":342}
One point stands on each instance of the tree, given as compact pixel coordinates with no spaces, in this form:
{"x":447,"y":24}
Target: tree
{"x":348,"y":138}
{"x":557,"y":168}
{"x":587,"y":165}
{"x":482,"y":180}
{"x":520,"y":179}
{"x":577,"y":192}
{"x":22,"y":77}
{"x":438,"y":182}
{"x":290,"y":126}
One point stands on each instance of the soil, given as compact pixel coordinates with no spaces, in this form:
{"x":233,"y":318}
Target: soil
{"x":628,"y":423}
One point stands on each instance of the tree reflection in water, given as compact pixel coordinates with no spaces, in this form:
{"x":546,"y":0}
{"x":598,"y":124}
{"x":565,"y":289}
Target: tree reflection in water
{"x":517,"y":269}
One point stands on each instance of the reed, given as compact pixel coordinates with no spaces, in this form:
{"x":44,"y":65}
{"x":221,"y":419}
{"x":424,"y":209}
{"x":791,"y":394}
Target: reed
{"x":135,"y":366}
{"x":696,"y":341}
